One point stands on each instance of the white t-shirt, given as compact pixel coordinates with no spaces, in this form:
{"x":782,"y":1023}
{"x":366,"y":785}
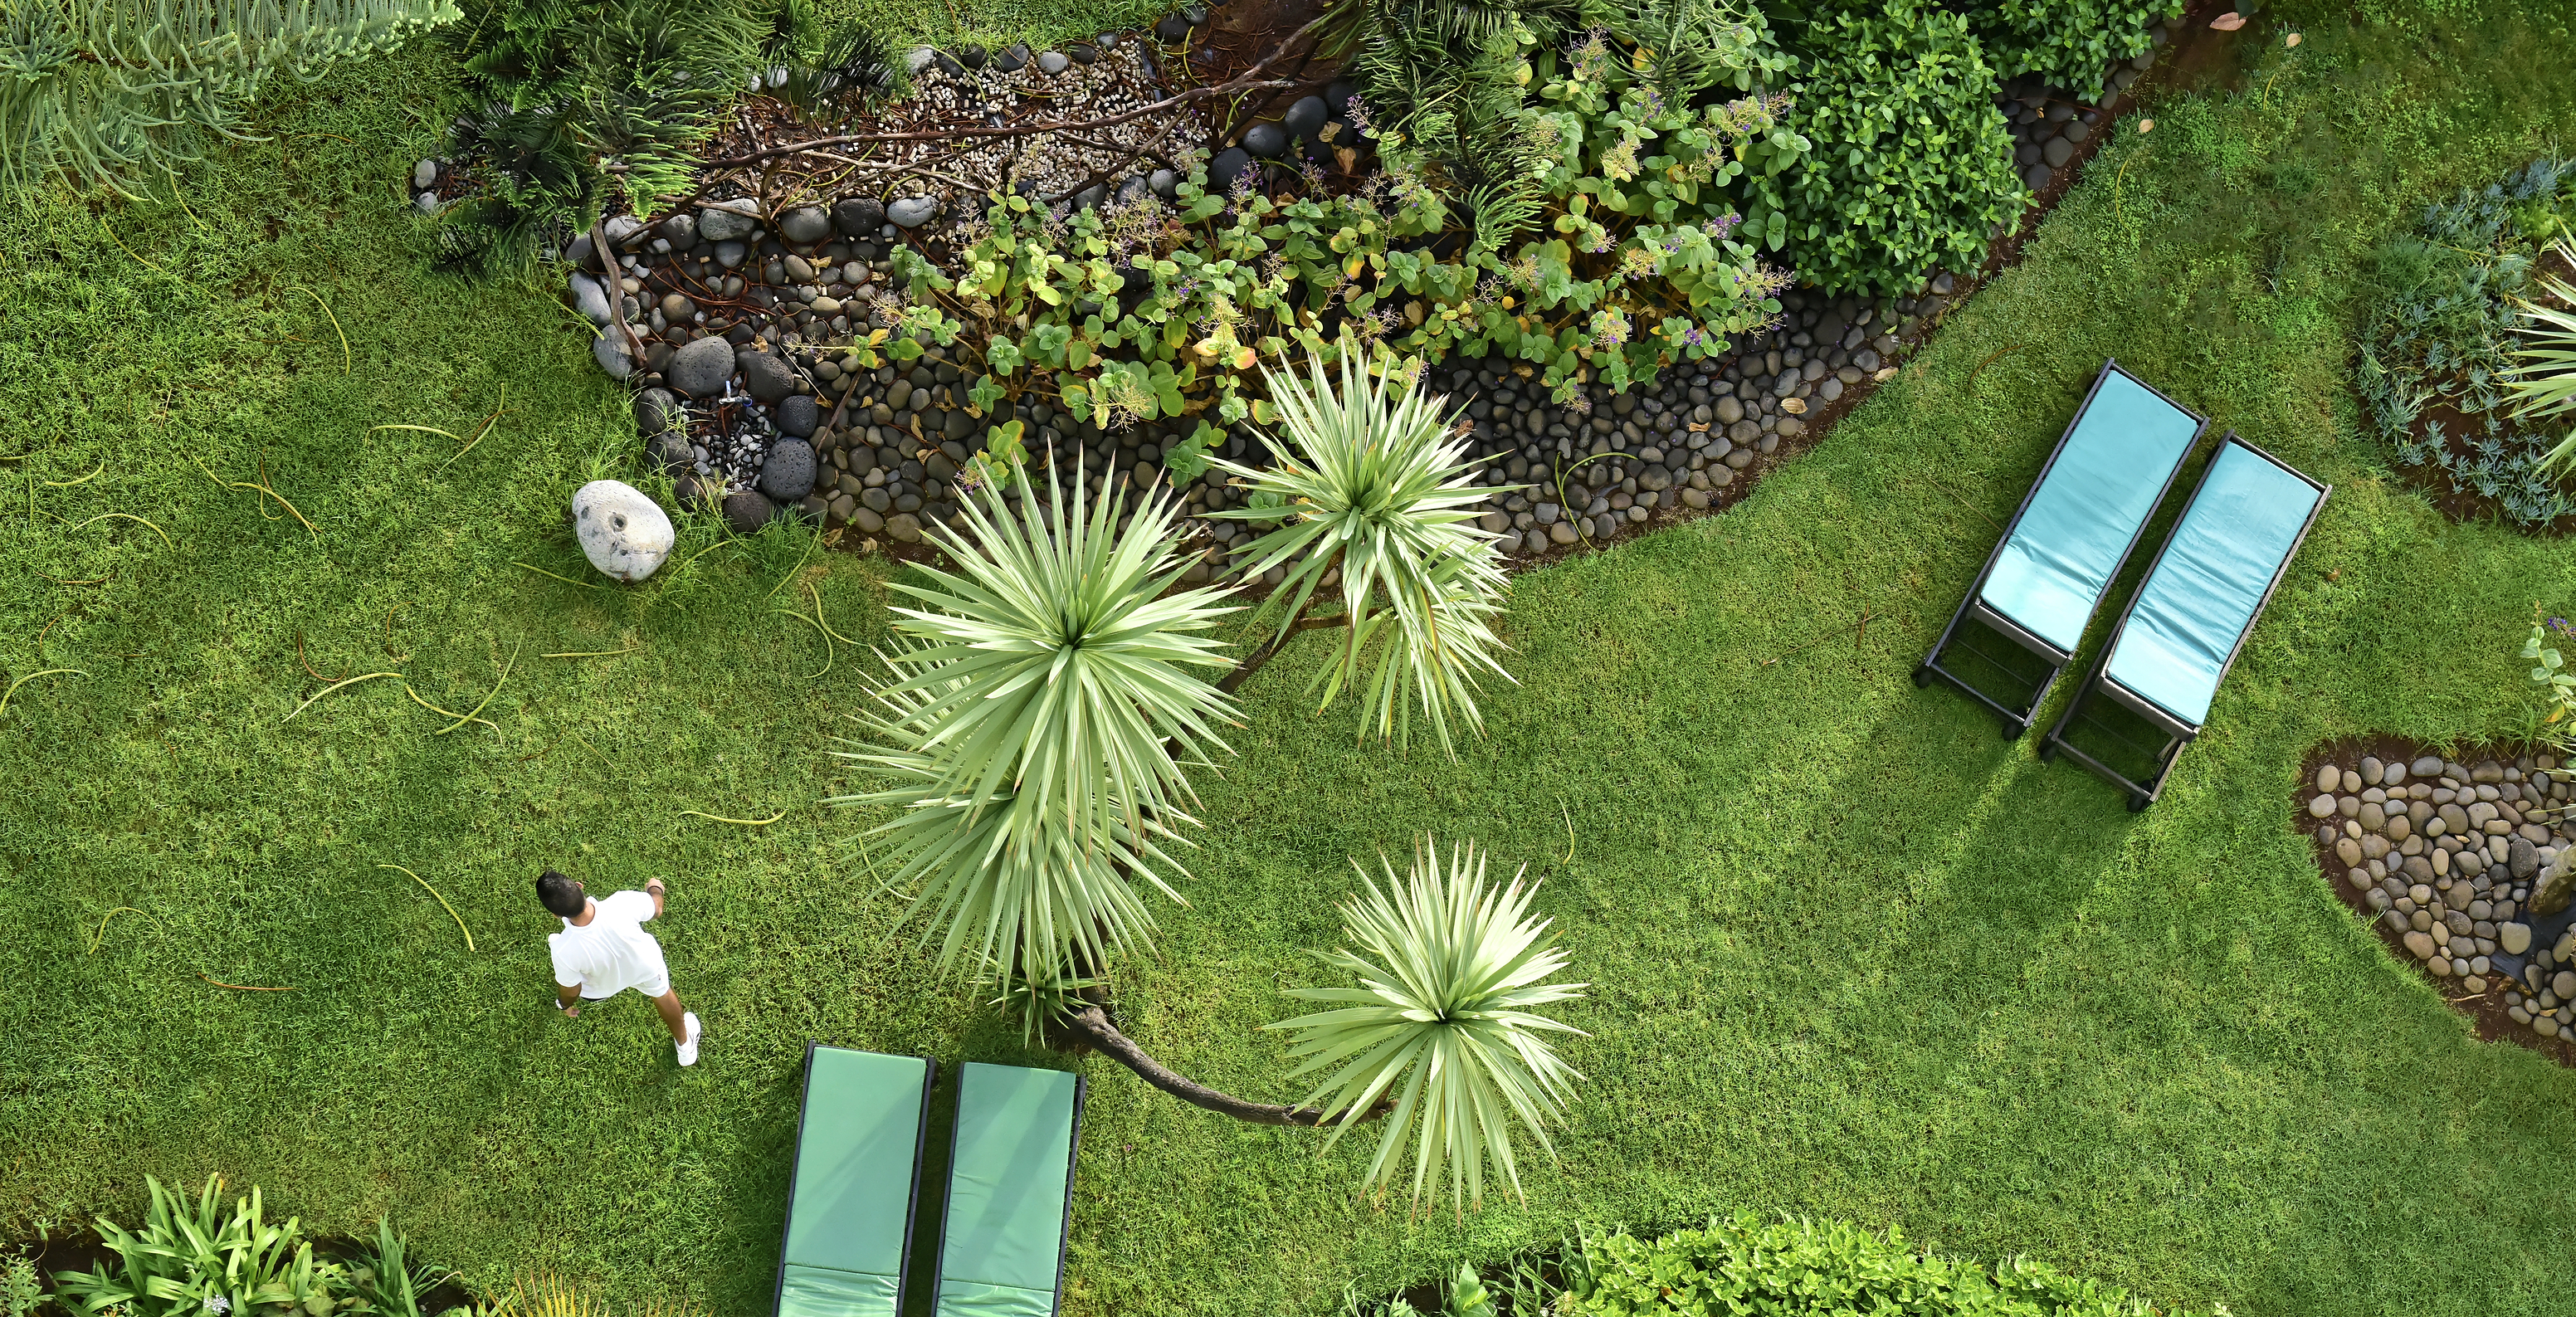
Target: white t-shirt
{"x":612,"y":952}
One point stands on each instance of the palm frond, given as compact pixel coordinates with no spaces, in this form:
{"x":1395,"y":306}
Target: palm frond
{"x":1450,"y":975}
{"x":1038,"y":726}
{"x":1384,"y":491}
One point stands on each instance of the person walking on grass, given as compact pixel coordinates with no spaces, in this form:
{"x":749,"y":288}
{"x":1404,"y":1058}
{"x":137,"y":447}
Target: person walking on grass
{"x":603,"y":950}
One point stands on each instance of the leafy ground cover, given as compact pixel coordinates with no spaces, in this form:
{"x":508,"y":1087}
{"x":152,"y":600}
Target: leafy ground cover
{"x":1852,"y":955}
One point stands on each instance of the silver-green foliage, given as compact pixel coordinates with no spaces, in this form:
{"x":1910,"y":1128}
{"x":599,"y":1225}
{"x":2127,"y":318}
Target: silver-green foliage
{"x":1443,"y":1022}
{"x":191,"y":1259}
{"x":1041,"y":716}
{"x":94,"y":89}
{"x":1375,"y":484}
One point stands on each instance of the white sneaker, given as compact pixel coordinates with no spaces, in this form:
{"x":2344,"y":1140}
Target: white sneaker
{"x":689,"y":1049}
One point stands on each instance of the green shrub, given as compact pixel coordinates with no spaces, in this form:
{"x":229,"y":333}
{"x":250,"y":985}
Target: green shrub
{"x":1909,"y":165}
{"x":1740,"y":1265}
{"x":193,"y":1259}
{"x":2069,"y":43}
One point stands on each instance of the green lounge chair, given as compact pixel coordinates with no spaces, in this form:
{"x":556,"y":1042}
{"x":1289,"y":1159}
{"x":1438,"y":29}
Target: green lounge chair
{"x":2183,"y":629}
{"x":1010,"y":1191}
{"x":851,"y":1198}
{"x":2074,"y":528}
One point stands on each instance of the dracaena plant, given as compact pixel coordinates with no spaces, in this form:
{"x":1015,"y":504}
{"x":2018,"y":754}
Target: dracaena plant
{"x":1043,"y":707}
{"x":1377,"y":487}
{"x":1444,"y":1021}
{"x":2543,"y":378}
{"x":190,"y":1259}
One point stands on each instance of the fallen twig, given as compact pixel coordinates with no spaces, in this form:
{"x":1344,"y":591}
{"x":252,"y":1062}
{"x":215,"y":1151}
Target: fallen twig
{"x":6,"y":696}
{"x":308,"y":663}
{"x":346,"y":681}
{"x":543,"y":572}
{"x":66,"y":484}
{"x":348,"y":362}
{"x":128,"y":516}
{"x":487,"y":696}
{"x":748,"y":823}
{"x":451,"y":910}
{"x":101,"y":940}
{"x":447,"y":713}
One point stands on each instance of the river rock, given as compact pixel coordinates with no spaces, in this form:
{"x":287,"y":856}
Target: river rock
{"x":805,"y":225}
{"x":701,"y":367}
{"x":766,"y":377}
{"x":2514,"y":938}
{"x":624,"y":533}
{"x":590,"y":297}
{"x":858,"y":217}
{"x":748,"y":510}
{"x":787,"y":474}
{"x":912,"y":212}
{"x":726,"y":224}
{"x":2550,"y":894}
{"x":797,"y":416}
{"x":2419,"y":943}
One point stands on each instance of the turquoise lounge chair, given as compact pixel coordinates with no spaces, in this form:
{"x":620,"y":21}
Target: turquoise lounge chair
{"x":1010,"y":1191}
{"x":2074,"y":528}
{"x":2183,"y":629}
{"x":852,"y":1197}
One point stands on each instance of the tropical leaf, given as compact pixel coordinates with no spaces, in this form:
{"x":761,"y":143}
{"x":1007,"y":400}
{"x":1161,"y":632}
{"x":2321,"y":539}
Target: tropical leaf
{"x":1443,"y":1023}
{"x":1041,"y":717}
{"x":1379,"y":487}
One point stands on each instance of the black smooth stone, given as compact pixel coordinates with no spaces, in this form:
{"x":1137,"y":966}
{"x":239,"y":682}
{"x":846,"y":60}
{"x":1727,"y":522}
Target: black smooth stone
{"x":1012,"y":60}
{"x":858,"y":217}
{"x":748,"y":511}
{"x":1173,"y":30}
{"x":1304,"y":117}
{"x":1082,"y":54}
{"x":798,"y":416}
{"x":1266,"y":140}
{"x":1228,"y":166}
{"x":1337,"y":96}
{"x":972,"y":57}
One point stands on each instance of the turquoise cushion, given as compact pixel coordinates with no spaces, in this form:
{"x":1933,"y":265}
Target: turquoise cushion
{"x":856,"y":1153}
{"x":2079,"y":524}
{"x":2206,"y":587}
{"x":1004,"y":1240}
{"x":823,"y":1292}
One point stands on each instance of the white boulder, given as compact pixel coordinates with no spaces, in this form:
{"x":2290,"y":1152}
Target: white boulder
{"x":624,"y":532}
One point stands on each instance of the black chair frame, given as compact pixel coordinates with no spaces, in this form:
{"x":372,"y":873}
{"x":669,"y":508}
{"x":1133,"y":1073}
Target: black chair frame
{"x":2177,"y":733}
{"x":1064,"y":1235}
{"x":912,"y":1201}
{"x":1973,"y":608}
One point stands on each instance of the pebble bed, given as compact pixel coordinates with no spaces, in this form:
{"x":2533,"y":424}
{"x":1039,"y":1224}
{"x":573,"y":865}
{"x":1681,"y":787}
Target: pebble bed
{"x":750,"y":396}
{"x":2466,"y":870}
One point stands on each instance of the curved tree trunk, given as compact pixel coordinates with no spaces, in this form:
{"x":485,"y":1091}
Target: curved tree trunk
{"x":1092,"y":1023}
{"x":1233,"y":681}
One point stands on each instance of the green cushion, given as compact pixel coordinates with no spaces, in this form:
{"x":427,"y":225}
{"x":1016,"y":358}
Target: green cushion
{"x":823,"y":1292}
{"x":965,"y":1298}
{"x":1004,"y":1240}
{"x":2209,"y":581}
{"x":857,"y":1150}
{"x":2068,"y":544}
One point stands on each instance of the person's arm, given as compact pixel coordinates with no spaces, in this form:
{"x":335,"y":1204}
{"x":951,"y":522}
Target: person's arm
{"x":654,"y":886}
{"x":568,"y":1000}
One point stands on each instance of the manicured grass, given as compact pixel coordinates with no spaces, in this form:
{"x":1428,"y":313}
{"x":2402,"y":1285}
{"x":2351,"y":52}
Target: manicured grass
{"x":1853,"y":955}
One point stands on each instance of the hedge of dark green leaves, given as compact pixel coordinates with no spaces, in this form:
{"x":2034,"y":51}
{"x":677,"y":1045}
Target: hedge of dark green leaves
{"x":2071,"y":43}
{"x":1909,"y":166}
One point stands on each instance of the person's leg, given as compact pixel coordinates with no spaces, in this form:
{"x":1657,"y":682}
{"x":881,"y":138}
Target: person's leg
{"x":674,"y":1017}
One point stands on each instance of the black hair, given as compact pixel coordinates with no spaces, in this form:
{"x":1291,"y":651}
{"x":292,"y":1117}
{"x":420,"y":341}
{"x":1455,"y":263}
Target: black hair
{"x":560,"y":894}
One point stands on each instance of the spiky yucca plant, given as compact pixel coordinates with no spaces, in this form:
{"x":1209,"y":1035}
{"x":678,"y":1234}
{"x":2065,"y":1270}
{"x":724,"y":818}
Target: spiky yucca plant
{"x":92,"y":90}
{"x":1375,"y":484}
{"x":1038,"y":728}
{"x":2543,"y":379}
{"x":1450,"y":972}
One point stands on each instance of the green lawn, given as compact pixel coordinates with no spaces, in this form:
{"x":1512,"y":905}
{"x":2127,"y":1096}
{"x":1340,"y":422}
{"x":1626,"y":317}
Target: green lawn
{"x":1853,"y":955}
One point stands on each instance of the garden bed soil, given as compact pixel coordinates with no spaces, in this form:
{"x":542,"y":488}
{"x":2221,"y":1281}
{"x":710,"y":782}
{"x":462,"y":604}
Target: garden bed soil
{"x":2453,"y":500}
{"x":2487,"y":1010}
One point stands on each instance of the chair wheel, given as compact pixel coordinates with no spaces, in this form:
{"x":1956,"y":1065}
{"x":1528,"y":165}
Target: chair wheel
{"x":2047,"y":751}
{"x":2138,"y":804}
{"x":2013,"y":730}
{"x":1922,"y":677}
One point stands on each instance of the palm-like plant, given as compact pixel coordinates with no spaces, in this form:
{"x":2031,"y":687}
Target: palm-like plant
{"x":1039,"y":724}
{"x":1374,"y":483}
{"x":2543,"y":378}
{"x":1450,"y":971}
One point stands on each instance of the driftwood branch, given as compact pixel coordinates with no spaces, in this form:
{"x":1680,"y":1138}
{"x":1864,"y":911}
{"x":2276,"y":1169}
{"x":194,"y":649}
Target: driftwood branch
{"x":615,"y":274}
{"x":1092,"y":1023}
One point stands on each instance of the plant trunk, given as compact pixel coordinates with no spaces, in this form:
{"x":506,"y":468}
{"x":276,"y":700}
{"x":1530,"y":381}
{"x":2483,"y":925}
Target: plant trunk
{"x":1233,"y":681}
{"x":1092,"y":1024}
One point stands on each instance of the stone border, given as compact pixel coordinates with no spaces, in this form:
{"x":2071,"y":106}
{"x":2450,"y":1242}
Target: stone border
{"x":2492,"y":999}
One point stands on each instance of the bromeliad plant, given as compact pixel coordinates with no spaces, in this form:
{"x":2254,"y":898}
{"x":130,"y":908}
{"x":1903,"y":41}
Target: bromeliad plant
{"x":1042,"y":713}
{"x":1443,"y":1021}
{"x":1375,"y":486}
